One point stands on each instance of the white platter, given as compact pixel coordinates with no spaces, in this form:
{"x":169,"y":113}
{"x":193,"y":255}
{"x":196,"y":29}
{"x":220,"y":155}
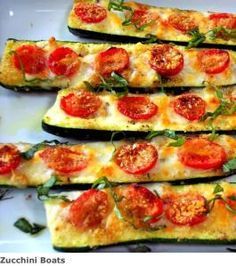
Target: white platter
{"x":21,"y":113}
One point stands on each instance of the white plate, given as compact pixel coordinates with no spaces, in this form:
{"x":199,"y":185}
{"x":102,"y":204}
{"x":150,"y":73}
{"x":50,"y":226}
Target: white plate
{"x":21,"y":113}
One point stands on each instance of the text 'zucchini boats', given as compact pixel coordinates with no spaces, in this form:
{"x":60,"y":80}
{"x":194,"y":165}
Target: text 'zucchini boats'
{"x":83,"y":114}
{"x":50,"y":65}
{"x":156,"y":213}
{"x":129,"y":21}
{"x":162,"y":158}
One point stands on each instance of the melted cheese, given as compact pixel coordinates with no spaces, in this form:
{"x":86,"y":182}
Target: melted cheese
{"x":140,"y":74}
{"x":220,"y":224}
{"x":161,"y":28}
{"x":35,"y":172}
{"x":166,"y":118}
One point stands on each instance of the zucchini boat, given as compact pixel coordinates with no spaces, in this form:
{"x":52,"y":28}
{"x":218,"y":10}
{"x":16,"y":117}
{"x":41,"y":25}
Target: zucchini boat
{"x":202,"y":213}
{"x":159,"y":159}
{"x":192,"y":111}
{"x":49,"y":65}
{"x":119,"y":20}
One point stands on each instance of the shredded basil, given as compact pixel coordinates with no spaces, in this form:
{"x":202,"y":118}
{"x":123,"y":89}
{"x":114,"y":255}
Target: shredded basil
{"x":118,"y":5}
{"x":43,"y":190}
{"x":179,"y":140}
{"x":4,"y":193}
{"x":218,"y":189}
{"x":229,"y":166}
{"x":151,"y":39}
{"x":25,"y":226}
{"x":29,"y":154}
{"x":115,"y":84}
{"x":198,"y":37}
{"x":226,"y":107}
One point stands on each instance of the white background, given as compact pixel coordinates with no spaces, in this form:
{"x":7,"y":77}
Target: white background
{"x":21,"y":113}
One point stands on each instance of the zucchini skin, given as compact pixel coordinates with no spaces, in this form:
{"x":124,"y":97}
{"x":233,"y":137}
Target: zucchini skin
{"x":131,"y":39}
{"x":104,"y":135}
{"x":29,"y":89}
{"x":149,"y":241}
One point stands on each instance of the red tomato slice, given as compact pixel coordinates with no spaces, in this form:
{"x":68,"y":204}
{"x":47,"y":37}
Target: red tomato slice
{"x":203,"y":154}
{"x":9,"y":158}
{"x":137,"y":107}
{"x":190,"y":106}
{"x":90,"y":13}
{"x":189,"y":209}
{"x":112,"y":60}
{"x":64,"y":61}
{"x":182,"y":22}
{"x":166,"y":60}
{"x":223,"y":20}
{"x":137,"y":158}
{"x":214,"y":61}
{"x":64,"y":160}
{"x":143,"y":17}
{"x":30,"y":58}
{"x":89,"y":210}
{"x":80,"y":104}
{"x":138,"y":204}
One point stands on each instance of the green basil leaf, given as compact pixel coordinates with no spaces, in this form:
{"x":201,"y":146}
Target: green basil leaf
{"x":229,"y":166}
{"x":167,"y":133}
{"x":197,"y":38}
{"x":29,"y":154}
{"x":147,"y":218}
{"x":43,"y":190}
{"x":179,"y":142}
{"x":118,"y":5}
{"x":218,"y":189}
{"x":102,"y":183}
{"x":25,"y":226}
{"x":232,"y":197}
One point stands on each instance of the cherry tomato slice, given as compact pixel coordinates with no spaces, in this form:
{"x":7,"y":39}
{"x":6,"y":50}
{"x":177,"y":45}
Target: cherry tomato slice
{"x":30,"y":58}
{"x":223,"y":20}
{"x":214,"y":61}
{"x":63,"y":61}
{"x":90,"y":13}
{"x":190,"y":106}
{"x":143,"y":17}
{"x":9,"y":158}
{"x":64,"y":160}
{"x":182,"y":22}
{"x":188,"y":209}
{"x":203,"y":154}
{"x":112,"y":60}
{"x":89,"y":210}
{"x":81,"y":104}
{"x":137,"y":107}
{"x":137,"y":158}
{"x":140,"y":206}
{"x":166,"y":60}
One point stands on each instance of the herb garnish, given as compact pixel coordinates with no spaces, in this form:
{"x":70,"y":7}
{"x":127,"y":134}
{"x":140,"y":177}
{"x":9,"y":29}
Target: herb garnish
{"x":118,"y":5}
{"x":229,"y":166}
{"x":3,"y":194}
{"x":218,"y":190}
{"x":115,"y":84}
{"x":198,"y":37}
{"x":29,"y":154}
{"x":25,"y":226}
{"x":102,"y":183}
{"x":226,"y":107}
{"x":43,"y":190}
{"x":179,"y":140}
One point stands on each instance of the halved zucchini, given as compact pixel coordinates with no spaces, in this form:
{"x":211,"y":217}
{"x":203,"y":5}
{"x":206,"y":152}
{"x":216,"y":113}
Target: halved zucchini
{"x":56,"y":69}
{"x":187,"y":112}
{"x":142,"y":21}
{"x":215,"y":224}
{"x":34,"y":165}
